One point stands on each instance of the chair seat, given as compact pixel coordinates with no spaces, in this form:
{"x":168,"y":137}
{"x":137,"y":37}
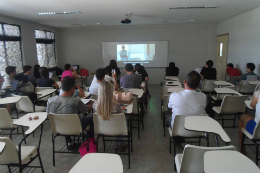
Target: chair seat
{"x":247,"y":134}
{"x":27,"y":153}
{"x":216,"y":109}
{"x":40,"y":109}
{"x":178,"y":158}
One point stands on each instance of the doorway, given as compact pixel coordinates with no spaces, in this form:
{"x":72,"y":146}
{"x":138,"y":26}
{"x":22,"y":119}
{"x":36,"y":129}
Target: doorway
{"x":222,"y":56}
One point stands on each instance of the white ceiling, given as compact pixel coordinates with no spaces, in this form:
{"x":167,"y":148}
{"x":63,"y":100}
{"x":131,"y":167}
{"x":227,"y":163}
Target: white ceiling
{"x":111,"y":12}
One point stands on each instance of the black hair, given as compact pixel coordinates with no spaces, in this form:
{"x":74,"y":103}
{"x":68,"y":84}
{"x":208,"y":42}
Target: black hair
{"x":26,"y":68}
{"x":210,"y":63}
{"x":10,"y":69}
{"x":108,"y":70}
{"x":113,"y":64}
{"x":100,"y":74}
{"x":251,"y":66}
{"x":171,"y":64}
{"x":67,"y":83}
{"x":44,"y":72}
{"x":129,"y":67}
{"x":230,"y":65}
{"x":67,"y":66}
{"x":138,"y":66}
{"x":193,"y":79}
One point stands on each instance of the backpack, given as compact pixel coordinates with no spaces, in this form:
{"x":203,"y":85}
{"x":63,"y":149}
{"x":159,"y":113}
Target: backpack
{"x":88,"y":147}
{"x":84,"y":72}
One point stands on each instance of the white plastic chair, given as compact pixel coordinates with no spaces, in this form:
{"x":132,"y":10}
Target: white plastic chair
{"x":234,"y":79}
{"x":20,"y":156}
{"x":165,"y":110}
{"x":231,"y":105}
{"x":64,"y":125}
{"x":245,"y":88}
{"x":38,"y":89}
{"x":208,"y":87}
{"x":114,"y":127}
{"x":192,"y":159}
{"x":29,"y":88}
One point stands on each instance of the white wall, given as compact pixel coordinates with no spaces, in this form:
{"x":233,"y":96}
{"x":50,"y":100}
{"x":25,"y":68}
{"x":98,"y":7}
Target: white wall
{"x":244,"y":39}
{"x":28,"y":37}
{"x":190,"y":46}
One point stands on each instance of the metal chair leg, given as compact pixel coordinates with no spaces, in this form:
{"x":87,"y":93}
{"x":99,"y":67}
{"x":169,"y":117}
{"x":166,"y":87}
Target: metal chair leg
{"x":163,"y":124}
{"x":174,"y":156}
{"x":242,"y":145}
{"x":9,"y":169}
{"x":170,"y":145}
{"x":40,"y":160}
{"x":53,"y":150}
{"x":129,"y":150}
{"x":104,"y":144}
{"x":256,"y":159}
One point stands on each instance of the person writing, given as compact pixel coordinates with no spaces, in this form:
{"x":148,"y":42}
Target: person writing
{"x":123,"y":53}
{"x":69,"y":71}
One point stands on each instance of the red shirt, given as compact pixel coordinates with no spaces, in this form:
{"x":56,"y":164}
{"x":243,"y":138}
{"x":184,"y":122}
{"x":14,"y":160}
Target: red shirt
{"x":233,"y":71}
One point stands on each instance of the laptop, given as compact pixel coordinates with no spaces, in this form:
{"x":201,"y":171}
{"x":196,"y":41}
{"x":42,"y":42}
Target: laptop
{"x":50,"y":74}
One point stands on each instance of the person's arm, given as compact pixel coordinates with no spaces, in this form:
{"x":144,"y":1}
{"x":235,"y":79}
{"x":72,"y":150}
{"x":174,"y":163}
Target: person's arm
{"x":55,"y":84}
{"x":81,"y":92}
{"x":255,"y":99}
{"x":74,"y":73}
{"x":146,"y":79}
{"x":116,"y":84}
{"x":82,"y":107}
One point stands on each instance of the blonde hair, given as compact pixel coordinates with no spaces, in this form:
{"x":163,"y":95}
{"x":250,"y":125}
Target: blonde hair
{"x":105,"y":100}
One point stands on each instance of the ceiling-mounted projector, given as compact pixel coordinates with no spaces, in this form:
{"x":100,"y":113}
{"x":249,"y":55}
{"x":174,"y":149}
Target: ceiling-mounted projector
{"x":128,"y":19}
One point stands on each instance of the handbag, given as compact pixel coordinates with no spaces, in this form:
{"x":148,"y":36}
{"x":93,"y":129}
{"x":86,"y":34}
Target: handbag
{"x":84,"y":72}
{"x":88,"y":147}
{"x":124,"y":97}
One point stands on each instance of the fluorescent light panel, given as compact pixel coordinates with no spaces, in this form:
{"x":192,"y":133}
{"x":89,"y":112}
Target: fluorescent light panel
{"x":194,"y":7}
{"x":83,"y":24}
{"x":172,"y":21}
{"x":63,"y":12}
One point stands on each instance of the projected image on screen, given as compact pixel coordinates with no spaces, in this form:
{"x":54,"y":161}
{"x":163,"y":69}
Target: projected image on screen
{"x":135,"y":52}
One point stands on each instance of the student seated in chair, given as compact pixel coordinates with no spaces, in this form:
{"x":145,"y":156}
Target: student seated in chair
{"x":45,"y":81}
{"x":67,"y":104}
{"x":28,"y":76}
{"x":248,"y":122}
{"x":141,"y":71}
{"x":250,"y":75}
{"x":77,"y":93}
{"x":172,"y":70}
{"x":231,"y":71}
{"x":130,"y":80}
{"x":209,"y":72}
{"x":69,"y":71}
{"x":189,"y":101}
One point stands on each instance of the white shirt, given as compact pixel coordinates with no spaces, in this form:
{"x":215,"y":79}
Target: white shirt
{"x":257,"y":108}
{"x":8,"y":82}
{"x":187,"y":102}
{"x":107,"y":78}
{"x":93,"y":89}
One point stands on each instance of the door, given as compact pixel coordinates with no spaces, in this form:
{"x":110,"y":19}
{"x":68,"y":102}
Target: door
{"x":222,"y":56}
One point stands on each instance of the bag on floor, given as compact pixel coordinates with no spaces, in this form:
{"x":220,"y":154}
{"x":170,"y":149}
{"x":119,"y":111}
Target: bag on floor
{"x":124,"y":97}
{"x":88,"y":147}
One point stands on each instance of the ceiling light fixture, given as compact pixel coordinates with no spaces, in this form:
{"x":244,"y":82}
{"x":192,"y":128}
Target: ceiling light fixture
{"x":63,"y":12}
{"x":172,"y":21}
{"x":194,"y":7}
{"x":83,"y":24}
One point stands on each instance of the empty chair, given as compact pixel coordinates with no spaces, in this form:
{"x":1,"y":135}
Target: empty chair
{"x":114,"y":127}
{"x":38,"y":89}
{"x":164,"y":91}
{"x":165,"y":110}
{"x":26,"y":105}
{"x":178,"y":130}
{"x":29,"y":88}
{"x":234,"y":79}
{"x":231,"y":105}
{"x":208,"y":87}
{"x":64,"y":125}
{"x":18,"y":156}
{"x":255,"y":138}
{"x":246,"y":88}
{"x":192,"y":159}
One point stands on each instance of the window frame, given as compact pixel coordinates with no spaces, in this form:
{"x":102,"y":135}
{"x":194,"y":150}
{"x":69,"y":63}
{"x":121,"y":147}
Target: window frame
{"x":12,"y":38}
{"x":46,"y":41}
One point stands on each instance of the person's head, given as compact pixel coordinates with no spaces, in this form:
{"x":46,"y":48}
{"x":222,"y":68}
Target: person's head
{"x":138,"y":66}
{"x":230,"y":65}
{"x":68,"y":85}
{"x":105,"y":100}
{"x":108,"y":71}
{"x":113,"y":64}
{"x":192,"y":80}
{"x":36,"y":68}
{"x":27,"y":69}
{"x":10,"y":70}
{"x":209,"y":64}
{"x":123,"y":47}
{"x":129,"y":68}
{"x":44,"y":72}
{"x":171,"y":64}
{"x":100,"y":74}
{"x":250,"y":67}
{"x":67,"y":67}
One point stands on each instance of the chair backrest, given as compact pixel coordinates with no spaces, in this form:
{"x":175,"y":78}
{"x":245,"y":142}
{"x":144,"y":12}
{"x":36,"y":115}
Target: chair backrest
{"x":178,"y":128}
{"x":28,"y":88}
{"x":233,"y":79}
{"x":5,"y":119}
{"x":38,"y":89}
{"x":165,"y":102}
{"x":25,"y":104}
{"x":66,"y":124}
{"x":208,"y":86}
{"x":116,"y":125}
{"x":164,"y":90}
{"x":246,"y":88}
{"x":193,"y":157}
{"x":135,"y":104}
{"x":10,"y":153}
{"x":233,"y":104}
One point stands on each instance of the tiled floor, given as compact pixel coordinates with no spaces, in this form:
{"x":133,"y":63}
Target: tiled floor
{"x":151,"y":151}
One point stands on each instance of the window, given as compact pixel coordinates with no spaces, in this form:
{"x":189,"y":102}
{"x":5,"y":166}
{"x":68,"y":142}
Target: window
{"x":10,"y":47}
{"x":220,"y":49}
{"x":45,"y":45}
